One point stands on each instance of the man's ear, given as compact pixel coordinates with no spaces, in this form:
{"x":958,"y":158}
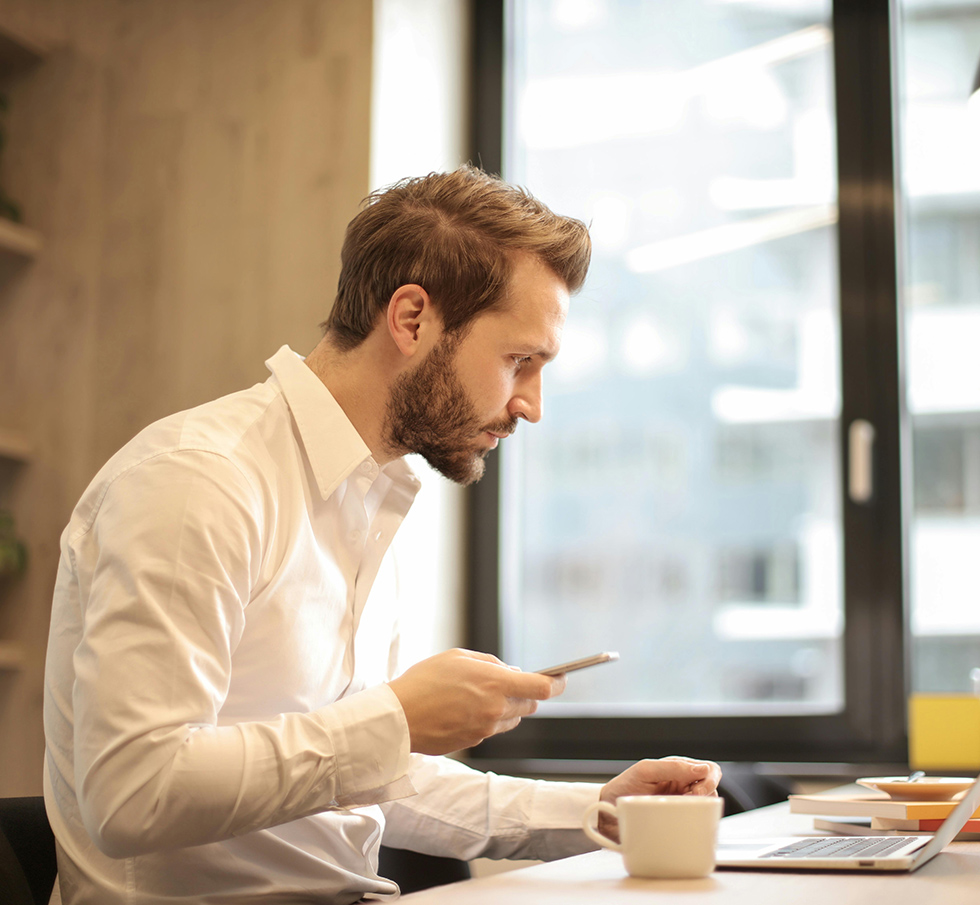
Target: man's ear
{"x":411,"y":317}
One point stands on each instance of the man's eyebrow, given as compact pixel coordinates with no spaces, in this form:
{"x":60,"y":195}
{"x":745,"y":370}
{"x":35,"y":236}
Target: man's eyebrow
{"x":544,"y":354}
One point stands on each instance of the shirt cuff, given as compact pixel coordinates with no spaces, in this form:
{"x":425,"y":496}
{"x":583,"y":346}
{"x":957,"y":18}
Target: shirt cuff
{"x":558,"y":808}
{"x":372,"y":747}
{"x":561,"y":805}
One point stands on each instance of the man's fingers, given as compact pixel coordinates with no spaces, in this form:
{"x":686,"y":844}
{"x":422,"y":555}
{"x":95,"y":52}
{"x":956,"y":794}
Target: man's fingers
{"x":676,"y":769}
{"x":703,"y":785}
{"x":558,"y":684}
{"x":480,"y":655}
{"x":532,"y":685}
{"x":454,"y":699}
{"x":666,"y":776}
{"x":507,"y":725}
{"x":520,"y":707}
{"x":519,"y":684}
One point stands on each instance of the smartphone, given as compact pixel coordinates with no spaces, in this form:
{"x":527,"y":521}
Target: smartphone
{"x":606,"y":657}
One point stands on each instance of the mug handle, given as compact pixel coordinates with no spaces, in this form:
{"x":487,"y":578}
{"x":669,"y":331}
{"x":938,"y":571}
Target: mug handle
{"x":594,"y":834}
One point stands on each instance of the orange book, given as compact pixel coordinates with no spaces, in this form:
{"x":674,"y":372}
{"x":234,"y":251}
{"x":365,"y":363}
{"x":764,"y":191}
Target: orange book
{"x":870,"y":826}
{"x":928,"y":825}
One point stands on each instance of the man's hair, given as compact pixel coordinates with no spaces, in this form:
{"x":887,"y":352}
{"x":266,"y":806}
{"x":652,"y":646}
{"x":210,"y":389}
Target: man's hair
{"x":455,"y":235}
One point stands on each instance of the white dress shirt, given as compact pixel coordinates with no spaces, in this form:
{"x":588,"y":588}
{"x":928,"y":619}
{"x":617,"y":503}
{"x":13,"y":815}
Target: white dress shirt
{"x":217,"y":724}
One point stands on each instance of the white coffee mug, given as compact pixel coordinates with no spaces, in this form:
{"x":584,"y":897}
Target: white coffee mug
{"x":662,"y":835}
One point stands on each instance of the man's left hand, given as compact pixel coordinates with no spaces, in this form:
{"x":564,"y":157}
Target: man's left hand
{"x":667,"y":776}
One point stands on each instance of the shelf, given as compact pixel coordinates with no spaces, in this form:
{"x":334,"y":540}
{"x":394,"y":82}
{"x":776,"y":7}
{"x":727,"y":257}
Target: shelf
{"x":13,"y":656}
{"x":19,"y":51}
{"x":14,"y":446}
{"x":17,"y":240}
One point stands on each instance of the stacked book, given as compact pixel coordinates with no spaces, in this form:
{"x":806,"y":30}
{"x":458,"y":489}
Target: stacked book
{"x":875,"y":814}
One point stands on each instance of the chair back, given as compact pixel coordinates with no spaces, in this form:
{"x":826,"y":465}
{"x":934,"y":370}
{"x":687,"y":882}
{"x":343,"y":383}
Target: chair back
{"x":28,"y":859}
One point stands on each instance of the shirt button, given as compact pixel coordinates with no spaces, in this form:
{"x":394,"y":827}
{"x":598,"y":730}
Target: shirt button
{"x":378,"y":535}
{"x":367,"y":467}
{"x":355,"y":536}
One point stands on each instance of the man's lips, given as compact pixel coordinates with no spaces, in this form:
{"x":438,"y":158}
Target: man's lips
{"x":501,"y":429}
{"x":497,"y":435}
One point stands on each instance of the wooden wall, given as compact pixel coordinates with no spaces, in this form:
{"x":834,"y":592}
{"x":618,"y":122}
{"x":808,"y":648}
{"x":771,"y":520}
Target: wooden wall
{"x":191,"y":166}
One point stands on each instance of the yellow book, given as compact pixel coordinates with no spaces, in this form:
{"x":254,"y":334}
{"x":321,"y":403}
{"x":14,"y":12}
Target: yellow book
{"x":944,"y":732}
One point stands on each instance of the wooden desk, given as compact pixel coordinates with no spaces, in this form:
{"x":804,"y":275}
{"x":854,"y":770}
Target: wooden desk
{"x":598,"y":878}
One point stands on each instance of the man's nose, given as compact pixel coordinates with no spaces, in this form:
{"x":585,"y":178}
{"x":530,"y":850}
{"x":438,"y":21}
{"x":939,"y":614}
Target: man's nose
{"x":527,"y":403}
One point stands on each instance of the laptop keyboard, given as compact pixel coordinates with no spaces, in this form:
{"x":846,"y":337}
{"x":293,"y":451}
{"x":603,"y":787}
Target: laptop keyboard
{"x":858,"y":847}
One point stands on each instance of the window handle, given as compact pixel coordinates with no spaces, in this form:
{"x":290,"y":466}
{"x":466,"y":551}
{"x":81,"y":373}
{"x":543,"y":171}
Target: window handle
{"x":860,"y":472}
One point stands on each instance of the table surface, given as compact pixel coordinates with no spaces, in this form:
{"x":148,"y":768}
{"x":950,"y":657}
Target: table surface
{"x":951,"y":878}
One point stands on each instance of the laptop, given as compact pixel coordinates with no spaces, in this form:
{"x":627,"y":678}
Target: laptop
{"x":897,"y":853}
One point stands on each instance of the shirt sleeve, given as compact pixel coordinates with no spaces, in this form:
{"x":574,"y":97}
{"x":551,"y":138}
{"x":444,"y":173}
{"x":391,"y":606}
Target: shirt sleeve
{"x":170,"y":562}
{"x":464,"y":813}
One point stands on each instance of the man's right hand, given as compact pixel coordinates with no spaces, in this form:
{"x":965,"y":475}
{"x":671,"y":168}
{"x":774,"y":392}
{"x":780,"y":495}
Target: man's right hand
{"x":458,"y":698}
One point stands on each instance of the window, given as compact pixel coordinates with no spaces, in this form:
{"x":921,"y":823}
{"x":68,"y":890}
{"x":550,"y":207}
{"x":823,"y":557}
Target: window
{"x":687,"y":499}
{"x":940,"y":184}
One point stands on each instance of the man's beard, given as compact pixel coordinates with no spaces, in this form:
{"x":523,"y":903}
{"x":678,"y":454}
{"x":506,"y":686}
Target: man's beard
{"x":430,"y":414}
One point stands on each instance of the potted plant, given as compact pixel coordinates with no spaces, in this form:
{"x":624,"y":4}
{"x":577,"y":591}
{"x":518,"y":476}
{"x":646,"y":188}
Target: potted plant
{"x":13,"y":553}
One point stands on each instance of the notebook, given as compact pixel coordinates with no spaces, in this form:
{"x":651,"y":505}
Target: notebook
{"x":898,"y":853}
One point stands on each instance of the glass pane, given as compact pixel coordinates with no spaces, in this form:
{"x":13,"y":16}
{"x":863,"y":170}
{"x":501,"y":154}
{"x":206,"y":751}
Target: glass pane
{"x":680,"y":501}
{"x":940,"y":150}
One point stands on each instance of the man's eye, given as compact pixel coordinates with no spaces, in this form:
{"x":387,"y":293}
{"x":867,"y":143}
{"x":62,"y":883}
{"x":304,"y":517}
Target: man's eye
{"x":520,"y":360}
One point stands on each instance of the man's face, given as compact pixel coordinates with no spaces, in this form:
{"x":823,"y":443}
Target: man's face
{"x":469,"y":393}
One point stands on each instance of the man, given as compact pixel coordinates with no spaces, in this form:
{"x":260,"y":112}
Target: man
{"x":221,"y":716}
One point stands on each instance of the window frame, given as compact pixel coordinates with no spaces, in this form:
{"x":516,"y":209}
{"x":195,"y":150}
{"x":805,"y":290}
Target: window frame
{"x":872,"y":726}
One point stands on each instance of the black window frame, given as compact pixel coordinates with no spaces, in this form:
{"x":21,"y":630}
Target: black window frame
{"x":872,"y":727}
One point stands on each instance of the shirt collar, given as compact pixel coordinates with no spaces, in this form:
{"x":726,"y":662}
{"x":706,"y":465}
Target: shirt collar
{"x":333,"y":445}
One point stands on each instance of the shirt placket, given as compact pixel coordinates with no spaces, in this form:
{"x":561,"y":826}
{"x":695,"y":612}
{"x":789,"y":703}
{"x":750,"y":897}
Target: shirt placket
{"x":355,"y":521}
{"x":390,"y":514}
